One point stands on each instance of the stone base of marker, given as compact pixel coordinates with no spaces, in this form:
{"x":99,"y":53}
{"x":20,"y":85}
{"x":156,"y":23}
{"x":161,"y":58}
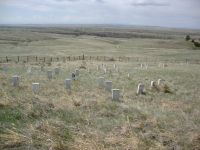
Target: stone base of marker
{"x":35,"y":88}
{"x":15,"y":80}
{"x":140,"y":89}
{"x":101,"y":82}
{"x":49,"y":74}
{"x":115,"y":94}
{"x":68,"y":84}
{"x":108,"y":86}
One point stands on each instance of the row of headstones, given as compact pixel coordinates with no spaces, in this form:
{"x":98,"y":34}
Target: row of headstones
{"x":142,"y":66}
{"x":145,"y":66}
{"x":105,"y":68}
{"x":141,"y":87}
{"x":101,"y":82}
{"x":116,"y":92}
{"x":36,"y":86}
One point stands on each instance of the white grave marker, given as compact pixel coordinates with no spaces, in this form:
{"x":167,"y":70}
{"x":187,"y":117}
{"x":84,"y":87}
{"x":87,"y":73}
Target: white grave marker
{"x":140,"y":89}
{"x":49,"y":74}
{"x":160,"y":81}
{"x":68,"y":84}
{"x":115,"y":94}
{"x":101,"y":81}
{"x":35,"y":88}
{"x":98,"y":67}
{"x":153,"y":84}
{"x":57,"y":71}
{"x":108,"y":85}
{"x":15,"y":80}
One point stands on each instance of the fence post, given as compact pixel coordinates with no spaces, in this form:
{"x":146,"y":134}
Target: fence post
{"x":36,"y":59}
{"x":6,"y":58}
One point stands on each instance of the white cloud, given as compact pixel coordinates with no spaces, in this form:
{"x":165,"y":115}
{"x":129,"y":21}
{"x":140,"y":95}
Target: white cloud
{"x":179,"y":13}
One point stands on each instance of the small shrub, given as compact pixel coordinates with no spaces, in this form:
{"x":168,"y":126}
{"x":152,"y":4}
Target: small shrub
{"x":111,"y":59}
{"x":187,"y":37}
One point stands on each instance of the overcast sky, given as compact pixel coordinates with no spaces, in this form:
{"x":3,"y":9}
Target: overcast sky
{"x":170,"y":13}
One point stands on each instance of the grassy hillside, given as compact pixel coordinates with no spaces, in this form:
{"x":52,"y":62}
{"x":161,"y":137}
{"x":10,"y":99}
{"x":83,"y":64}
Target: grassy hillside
{"x":87,"y":118}
{"x":109,"y":41}
{"x":166,"y":117}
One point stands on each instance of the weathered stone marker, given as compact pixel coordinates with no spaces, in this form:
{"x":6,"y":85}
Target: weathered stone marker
{"x":35,"y":88}
{"x":153,"y":84}
{"x":115,"y":94}
{"x":68,"y":84}
{"x":15,"y":80}
{"x":141,"y":65}
{"x":140,"y":89}
{"x":146,"y":66}
{"x":105,"y":70}
{"x":101,"y":81}
{"x":160,"y":82}
{"x":108,"y":86}
{"x":57,"y":71}
{"x":29,"y":70}
{"x":49,"y":74}
{"x":77,"y":72}
{"x":98,"y":67}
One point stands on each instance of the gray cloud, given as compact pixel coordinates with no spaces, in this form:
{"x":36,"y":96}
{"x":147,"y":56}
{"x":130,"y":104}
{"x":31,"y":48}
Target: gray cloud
{"x":66,"y":0}
{"x":151,"y":3}
{"x":100,"y":1}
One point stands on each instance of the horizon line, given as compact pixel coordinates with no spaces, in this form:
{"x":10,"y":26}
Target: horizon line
{"x":91,"y":24}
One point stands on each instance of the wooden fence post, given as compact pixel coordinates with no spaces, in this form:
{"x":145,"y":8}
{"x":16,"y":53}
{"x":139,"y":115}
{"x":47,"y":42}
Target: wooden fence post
{"x":6,"y":58}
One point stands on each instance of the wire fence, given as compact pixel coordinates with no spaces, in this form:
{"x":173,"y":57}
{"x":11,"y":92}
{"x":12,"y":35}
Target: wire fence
{"x":48,"y":59}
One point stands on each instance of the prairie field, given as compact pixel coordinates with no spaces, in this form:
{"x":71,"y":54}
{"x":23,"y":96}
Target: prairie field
{"x":164,"y":117}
